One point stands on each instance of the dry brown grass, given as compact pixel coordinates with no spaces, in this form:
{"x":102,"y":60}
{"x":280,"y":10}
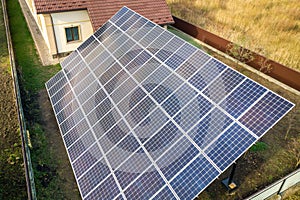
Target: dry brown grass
{"x":271,"y":28}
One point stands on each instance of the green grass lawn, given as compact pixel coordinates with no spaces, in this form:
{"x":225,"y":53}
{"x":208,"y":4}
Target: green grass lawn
{"x":32,"y":77}
{"x":12,"y":176}
{"x":32,"y":72}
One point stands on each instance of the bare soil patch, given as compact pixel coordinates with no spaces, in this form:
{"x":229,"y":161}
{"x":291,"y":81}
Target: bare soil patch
{"x":62,"y":170}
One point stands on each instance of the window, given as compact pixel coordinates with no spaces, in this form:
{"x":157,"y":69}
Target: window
{"x":72,"y":34}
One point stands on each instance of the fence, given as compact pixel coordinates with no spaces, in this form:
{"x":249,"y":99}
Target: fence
{"x":280,"y":72}
{"x":24,"y":138}
{"x":278,"y":187}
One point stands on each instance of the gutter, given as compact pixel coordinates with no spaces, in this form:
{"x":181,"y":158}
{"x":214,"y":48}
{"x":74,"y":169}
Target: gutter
{"x":55,"y":41}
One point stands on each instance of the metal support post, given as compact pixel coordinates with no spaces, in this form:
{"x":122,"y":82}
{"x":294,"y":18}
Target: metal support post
{"x":228,"y":182}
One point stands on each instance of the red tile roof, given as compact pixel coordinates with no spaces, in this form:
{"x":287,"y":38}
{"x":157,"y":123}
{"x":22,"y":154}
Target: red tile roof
{"x":101,"y":10}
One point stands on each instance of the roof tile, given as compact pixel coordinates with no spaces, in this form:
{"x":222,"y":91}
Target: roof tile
{"x":101,"y":10}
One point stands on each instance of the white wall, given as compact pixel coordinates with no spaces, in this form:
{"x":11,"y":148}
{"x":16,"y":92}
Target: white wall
{"x":31,"y":6}
{"x":43,"y":23}
{"x":68,"y":19}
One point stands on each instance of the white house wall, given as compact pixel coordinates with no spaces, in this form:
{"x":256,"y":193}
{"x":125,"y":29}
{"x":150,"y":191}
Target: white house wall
{"x":31,"y":6}
{"x":45,"y":25}
{"x":71,"y":19}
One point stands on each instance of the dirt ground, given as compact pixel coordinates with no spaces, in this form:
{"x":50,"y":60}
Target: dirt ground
{"x":12,"y":176}
{"x":56,"y":147}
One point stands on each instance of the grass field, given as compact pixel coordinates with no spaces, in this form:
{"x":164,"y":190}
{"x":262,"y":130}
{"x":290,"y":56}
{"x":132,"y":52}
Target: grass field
{"x":271,"y":28}
{"x":12,"y":176}
{"x":49,"y":173}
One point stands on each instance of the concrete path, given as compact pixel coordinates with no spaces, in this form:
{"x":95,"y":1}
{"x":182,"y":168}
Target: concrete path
{"x":39,"y":41}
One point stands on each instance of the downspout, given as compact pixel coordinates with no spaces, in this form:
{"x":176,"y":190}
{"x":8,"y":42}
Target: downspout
{"x":54,"y":35}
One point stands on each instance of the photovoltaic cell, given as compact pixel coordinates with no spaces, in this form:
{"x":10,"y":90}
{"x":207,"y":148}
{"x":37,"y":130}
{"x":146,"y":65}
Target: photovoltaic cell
{"x":145,"y":115}
{"x":86,"y":160}
{"x":207,"y":74}
{"x":145,"y":186}
{"x":233,"y":142}
{"x":194,"y":178}
{"x":107,"y":189}
{"x":165,"y":194}
{"x":226,"y":82}
{"x":81,"y":145}
{"x":266,"y":112}
{"x":93,"y":177}
{"x":179,"y":161}
{"x":126,"y":174}
{"x":242,"y":98}
{"x":209,"y":127}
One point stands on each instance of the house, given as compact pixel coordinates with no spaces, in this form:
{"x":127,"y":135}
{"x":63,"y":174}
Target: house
{"x":64,"y":24}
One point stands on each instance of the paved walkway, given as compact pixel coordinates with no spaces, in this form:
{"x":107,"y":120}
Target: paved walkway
{"x":39,"y":41}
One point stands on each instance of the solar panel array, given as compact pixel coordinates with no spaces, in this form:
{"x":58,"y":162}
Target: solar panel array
{"x":145,"y":115}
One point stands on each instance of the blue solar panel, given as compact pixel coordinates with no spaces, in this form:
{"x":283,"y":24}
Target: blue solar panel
{"x":229,"y":145}
{"x":165,"y":193}
{"x":265,"y":113}
{"x":145,"y":115}
{"x":206,"y":74}
{"x":242,"y":98}
{"x":226,"y":82}
{"x":209,"y":128}
{"x":175,"y":156}
{"x":194,"y":178}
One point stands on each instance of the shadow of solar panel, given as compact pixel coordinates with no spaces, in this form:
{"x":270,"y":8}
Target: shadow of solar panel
{"x":145,"y":115}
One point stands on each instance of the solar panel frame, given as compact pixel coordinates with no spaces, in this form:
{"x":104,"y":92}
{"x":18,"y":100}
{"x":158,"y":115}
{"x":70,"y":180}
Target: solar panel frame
{"x":169,"y":62}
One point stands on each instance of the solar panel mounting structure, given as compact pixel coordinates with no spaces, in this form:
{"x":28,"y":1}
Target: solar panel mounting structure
{"x":145,"y":115}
